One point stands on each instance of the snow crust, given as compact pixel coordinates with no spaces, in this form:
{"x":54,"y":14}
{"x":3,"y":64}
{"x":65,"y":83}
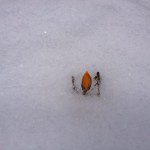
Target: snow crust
{"x":43,"y":43}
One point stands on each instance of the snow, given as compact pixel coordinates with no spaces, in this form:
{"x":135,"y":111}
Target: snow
{"x":44,"y":43}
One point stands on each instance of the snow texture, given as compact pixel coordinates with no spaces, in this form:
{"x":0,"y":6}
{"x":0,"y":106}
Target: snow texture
{"x":43,"y":43}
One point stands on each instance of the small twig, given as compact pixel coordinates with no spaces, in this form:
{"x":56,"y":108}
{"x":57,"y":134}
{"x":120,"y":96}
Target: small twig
{"x":73,"y":84}
{"x":98,"y":81}
{"x":73,"y":80}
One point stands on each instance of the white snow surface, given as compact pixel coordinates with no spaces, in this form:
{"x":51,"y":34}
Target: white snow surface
{"x":43,"y":43}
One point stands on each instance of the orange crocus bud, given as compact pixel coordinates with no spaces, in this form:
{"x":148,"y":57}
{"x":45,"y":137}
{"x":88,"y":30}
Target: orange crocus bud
{"x":86,"y":82}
